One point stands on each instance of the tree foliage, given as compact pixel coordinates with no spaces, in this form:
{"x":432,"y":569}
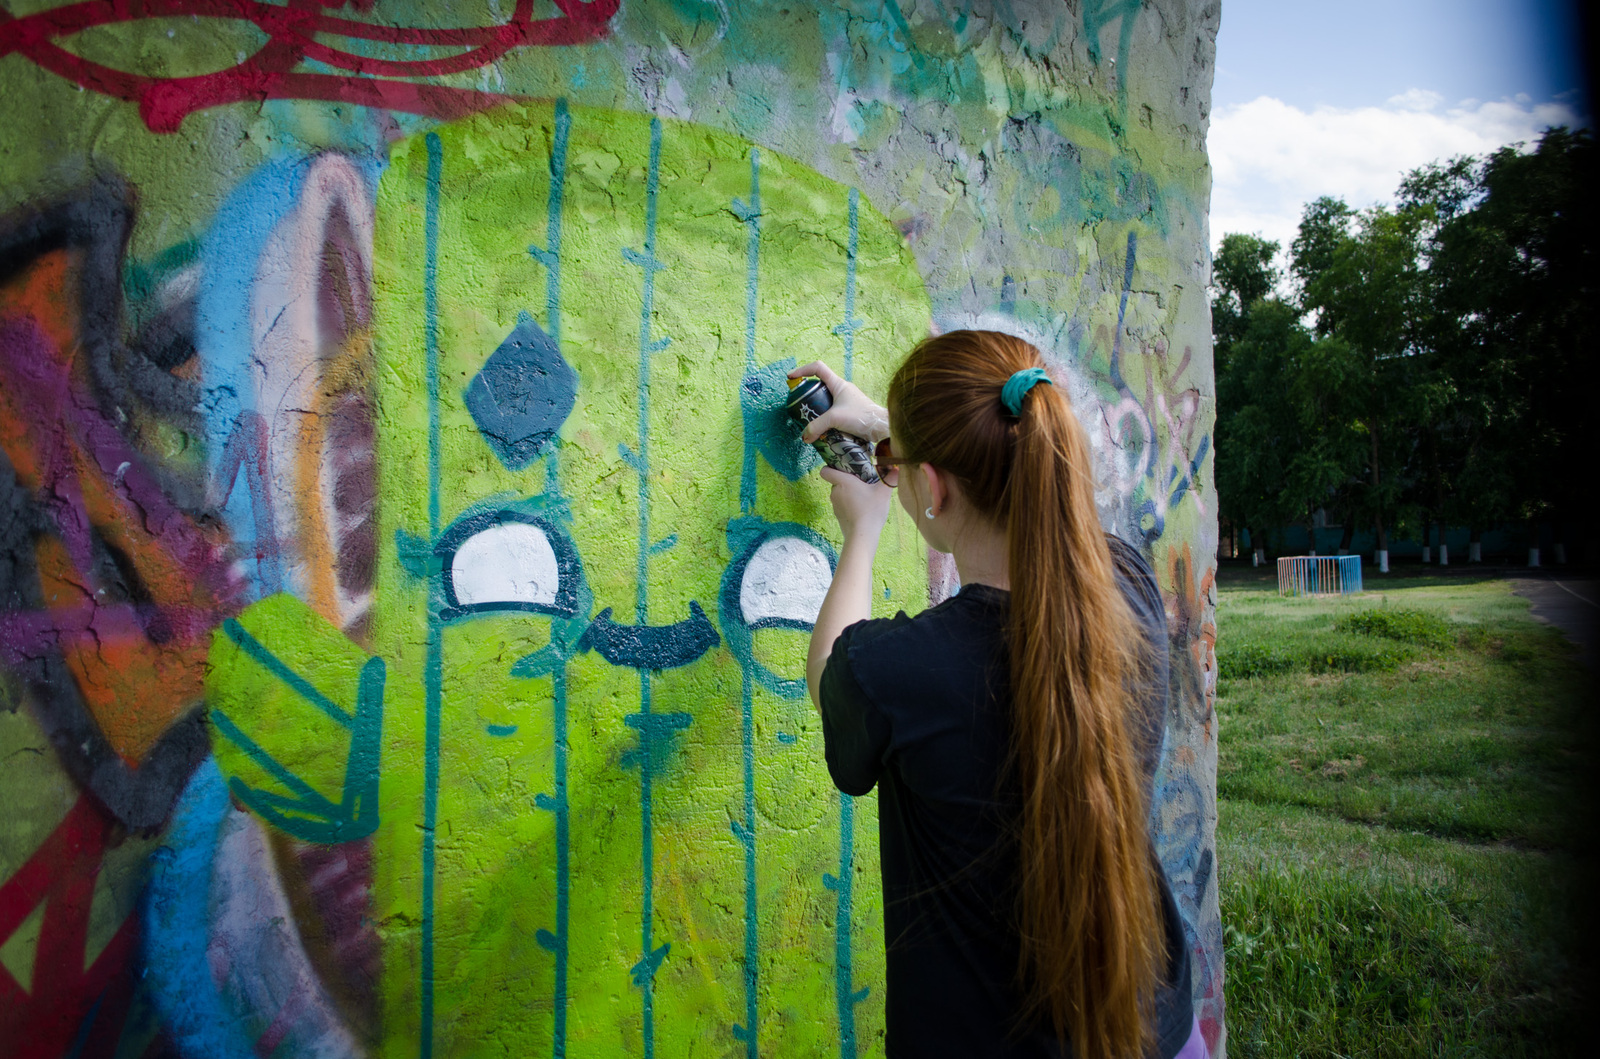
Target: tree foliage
{"x":1431,"y":358}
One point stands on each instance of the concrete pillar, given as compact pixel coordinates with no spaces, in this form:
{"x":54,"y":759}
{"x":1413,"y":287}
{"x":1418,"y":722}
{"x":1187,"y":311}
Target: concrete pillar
{"x":485,"y":382}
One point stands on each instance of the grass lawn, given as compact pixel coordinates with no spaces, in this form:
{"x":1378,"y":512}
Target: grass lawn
{"x":1404,"y":842}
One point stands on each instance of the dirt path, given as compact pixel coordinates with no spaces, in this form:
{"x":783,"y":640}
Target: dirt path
{"x":1571,"y":605}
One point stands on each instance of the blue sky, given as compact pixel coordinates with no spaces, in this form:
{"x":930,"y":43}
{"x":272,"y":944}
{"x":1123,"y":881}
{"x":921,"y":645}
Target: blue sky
{"x":1363,"y":51}
{"x":1343,"y":99}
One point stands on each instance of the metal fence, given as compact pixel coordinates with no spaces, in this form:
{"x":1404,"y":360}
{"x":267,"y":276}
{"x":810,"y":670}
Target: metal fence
{"x":1319,"y":575}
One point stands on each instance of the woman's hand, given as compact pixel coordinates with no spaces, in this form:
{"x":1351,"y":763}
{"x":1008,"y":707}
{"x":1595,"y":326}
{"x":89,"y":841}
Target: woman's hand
{"x":861,"y":509}
{"x":853,"y":411}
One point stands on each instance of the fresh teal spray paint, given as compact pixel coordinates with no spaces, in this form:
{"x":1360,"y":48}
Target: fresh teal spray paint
{"x":750,"y":214}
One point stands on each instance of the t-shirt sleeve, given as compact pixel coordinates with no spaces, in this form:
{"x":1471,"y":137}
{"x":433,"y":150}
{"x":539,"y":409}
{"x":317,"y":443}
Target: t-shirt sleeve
{"x":855,"y":732}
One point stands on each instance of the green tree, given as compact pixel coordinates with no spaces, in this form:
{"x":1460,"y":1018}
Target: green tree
{"x":1242,"y":274}
{"x":1325,"y":226}
{"x":1256,"y":425}
{"x":1450,"y":349}
{"x":1364,"y":277}
{"x":1247,"y":431}
{"x":1284,"y":440}
{"x":1331,"y":450}
{"x":1449,"y":442}
{"x":1514,"y":276}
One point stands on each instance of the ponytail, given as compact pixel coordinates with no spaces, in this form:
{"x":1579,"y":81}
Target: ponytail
{"x":1088,"y":912}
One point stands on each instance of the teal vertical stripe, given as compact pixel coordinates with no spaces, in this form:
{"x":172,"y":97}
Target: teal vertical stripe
{"x":552,"y":239}
{"x":563,"y":862}
{"x":749,"y":1033}
{"x":847,"y":328}
{"x":750,"y":213}
{"x":430,"y":294}
{"x":845,"y":992}
{"x":558,"y":183}
{"x":433,"y":672}
{"x":752,"y":220}
{"x":747,"y":502}
{"x":650,"y":958}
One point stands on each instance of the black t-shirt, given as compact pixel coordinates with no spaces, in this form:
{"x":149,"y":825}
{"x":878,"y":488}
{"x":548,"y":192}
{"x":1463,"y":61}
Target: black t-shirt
{"x":920,"y":707}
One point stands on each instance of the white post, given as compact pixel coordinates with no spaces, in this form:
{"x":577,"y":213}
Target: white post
{"x":1475,"y":552}
{"x":1444,"y":555}
{"x":1258,"y":557}
{"x":1383,"y":561}
{"x":1427,"y":554}
{"x":1533,"y":557}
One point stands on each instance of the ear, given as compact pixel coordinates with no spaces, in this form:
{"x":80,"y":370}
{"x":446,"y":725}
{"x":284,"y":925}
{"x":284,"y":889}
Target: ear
{"x":938,"y":486}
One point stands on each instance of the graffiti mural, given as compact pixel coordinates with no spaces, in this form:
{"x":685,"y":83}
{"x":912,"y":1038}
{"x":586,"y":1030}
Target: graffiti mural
{"x":405,"y":561}
{"x":280,"y":49}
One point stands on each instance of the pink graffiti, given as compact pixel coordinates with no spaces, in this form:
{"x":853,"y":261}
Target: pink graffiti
{"x":293,"y":32}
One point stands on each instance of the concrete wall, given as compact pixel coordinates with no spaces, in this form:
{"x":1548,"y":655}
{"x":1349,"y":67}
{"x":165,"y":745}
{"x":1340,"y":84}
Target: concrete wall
{"x":404,"y":568}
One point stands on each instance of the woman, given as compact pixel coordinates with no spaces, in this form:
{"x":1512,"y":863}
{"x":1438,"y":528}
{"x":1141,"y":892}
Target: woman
{"x":1025,"y":913}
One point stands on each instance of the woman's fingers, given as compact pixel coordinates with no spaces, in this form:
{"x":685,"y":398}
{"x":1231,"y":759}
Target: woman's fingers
{"x":853,"y":411}
{"x":829,"y":377}
{"x":815,"y":428}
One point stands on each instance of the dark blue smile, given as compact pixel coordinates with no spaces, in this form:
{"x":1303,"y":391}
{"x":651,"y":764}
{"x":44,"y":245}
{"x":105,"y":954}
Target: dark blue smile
{"x":651,"y":646}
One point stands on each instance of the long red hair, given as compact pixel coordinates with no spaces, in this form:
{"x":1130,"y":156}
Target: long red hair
{"x":1088,"y":901}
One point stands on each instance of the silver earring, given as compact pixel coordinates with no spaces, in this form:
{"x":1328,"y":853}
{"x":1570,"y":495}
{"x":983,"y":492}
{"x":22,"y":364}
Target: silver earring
{"x":929,"y":513}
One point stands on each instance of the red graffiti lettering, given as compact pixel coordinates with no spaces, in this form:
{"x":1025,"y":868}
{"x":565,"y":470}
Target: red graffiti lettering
{"x":65,"y":1001}
{"x":297,"y":33}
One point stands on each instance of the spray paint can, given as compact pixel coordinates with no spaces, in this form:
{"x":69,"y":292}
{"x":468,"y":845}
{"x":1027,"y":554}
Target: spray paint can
{"x":808,"y":399}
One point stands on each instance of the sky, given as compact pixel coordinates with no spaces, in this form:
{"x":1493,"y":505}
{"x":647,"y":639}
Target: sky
{"x":1344,"y":99}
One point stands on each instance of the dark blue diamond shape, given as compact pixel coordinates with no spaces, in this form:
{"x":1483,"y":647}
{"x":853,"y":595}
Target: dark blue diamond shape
{"x":523,"y":394}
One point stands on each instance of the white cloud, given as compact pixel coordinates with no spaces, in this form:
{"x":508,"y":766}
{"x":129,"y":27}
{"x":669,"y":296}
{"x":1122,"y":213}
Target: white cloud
{"x":1269,"y":159}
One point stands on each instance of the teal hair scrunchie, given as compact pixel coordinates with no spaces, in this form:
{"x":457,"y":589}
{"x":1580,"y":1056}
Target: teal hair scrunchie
{"x":1017,"y":387}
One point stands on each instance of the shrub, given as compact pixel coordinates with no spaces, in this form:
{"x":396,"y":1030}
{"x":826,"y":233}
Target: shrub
{"x":1407,"y":626}
{"x":1350,"y":656}
{"x":1255,"y":660}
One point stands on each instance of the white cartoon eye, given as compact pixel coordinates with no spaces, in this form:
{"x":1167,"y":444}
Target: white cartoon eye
{"x":509,"y":563}
{"x":784,"y":583}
